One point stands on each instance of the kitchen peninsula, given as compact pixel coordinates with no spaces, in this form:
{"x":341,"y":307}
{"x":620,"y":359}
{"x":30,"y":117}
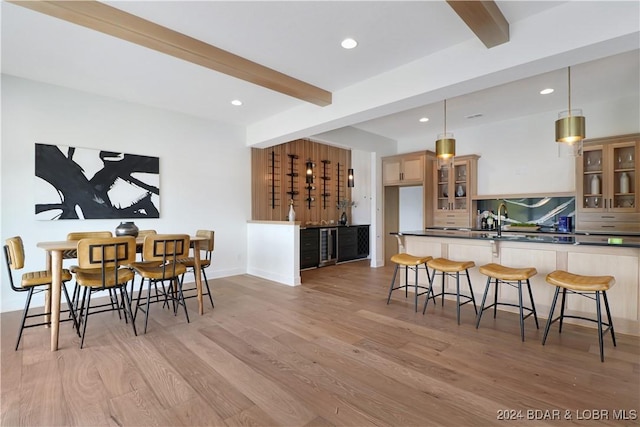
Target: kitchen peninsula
{"x":279,"y":249}
{"x":618,"y":256}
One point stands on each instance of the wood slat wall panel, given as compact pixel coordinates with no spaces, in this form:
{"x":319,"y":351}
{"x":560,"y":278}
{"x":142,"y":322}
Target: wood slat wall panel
{"x":340,"y":161}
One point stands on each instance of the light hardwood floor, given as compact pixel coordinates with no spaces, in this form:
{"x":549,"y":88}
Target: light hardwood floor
{"x":330,"y":352}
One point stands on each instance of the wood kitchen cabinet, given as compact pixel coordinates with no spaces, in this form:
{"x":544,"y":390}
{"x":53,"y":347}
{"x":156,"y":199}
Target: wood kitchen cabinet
{"x":607,"y":184}
{"x":453,"y":189}
{"x":405,"y":169}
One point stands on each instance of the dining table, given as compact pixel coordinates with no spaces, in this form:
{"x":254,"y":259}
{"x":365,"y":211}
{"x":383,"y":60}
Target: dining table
{"x":55,"y":251}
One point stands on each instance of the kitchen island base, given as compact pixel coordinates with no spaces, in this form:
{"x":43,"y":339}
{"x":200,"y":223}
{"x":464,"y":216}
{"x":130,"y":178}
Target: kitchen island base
{"x":621,"y":262}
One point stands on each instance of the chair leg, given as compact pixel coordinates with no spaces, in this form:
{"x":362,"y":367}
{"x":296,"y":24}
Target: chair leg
{"x":416,"y":290}
{"x":127,"y":307}
{"x":495,"y":300}
{"x":87,"y":301}
{"x":599,"y":321}
{"x":549,"y":320}
{"x":473,"y":298}
{"x":146,"y":311}
{"x":606,"y":306}
{"x":393,"y":281}
{"x":458,"y":296}
{"x":71,"y":309}
{"x":484,"y":298}
{"x":75,"y":296}
{"x":135,"y":312}
{"x":564,"y":295}
{"x":442,"y":283}
{"x":24,"y":316}
{"x":114,"y":301}
{"x":181,"y":298}
{"x":533,"y":304}
{"x":206,"y":282}
{"x":429,"y":281}
{"x":406,"y":281}
{"x":521,"y":310}
{"x":430,"y":292}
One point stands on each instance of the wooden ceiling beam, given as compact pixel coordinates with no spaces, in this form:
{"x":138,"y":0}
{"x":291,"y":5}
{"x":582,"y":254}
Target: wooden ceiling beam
{"x":484,"y":19}
{"x":115,"y":22}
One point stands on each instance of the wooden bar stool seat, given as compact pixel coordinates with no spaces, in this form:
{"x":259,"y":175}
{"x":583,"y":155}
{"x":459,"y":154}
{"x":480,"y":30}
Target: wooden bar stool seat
{"x":409,"y":262}
{"x":447,"y":267}
{"x":512,"y":277}
{"x":588,"y":286}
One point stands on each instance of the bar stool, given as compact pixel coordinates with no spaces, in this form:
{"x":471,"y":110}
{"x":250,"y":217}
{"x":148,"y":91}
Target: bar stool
{"x":409,"y":262}
{"x":512,"y":277}
{"x":447,"y":267}
{"x":589,"y":287}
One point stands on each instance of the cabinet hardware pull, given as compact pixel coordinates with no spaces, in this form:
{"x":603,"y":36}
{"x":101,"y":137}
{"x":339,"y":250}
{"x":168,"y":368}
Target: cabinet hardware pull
{"x":607,"y":217}
{"x":608,"y":226}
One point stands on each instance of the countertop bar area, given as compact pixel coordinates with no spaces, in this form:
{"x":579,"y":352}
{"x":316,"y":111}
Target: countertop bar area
{"x":593,"y":254}
{"x":625,"y":240}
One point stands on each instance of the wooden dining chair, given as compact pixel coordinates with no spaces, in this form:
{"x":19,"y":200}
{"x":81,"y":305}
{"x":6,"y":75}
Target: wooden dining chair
{"x":206,"y":250}
{"x":73,"y":254}
{"x":160,"y":254}
{"x":103,"y":267}
{"x":32,"y":283}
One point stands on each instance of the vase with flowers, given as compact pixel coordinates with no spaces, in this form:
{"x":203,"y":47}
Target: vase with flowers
{"x":343,"y":205}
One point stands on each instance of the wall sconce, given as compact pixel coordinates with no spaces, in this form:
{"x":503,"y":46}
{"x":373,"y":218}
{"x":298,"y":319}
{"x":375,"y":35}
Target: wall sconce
{"x":570,"y":127}
{"x":309,"y":182}
{"x":350,"y":177}
{"x":309,"y":174}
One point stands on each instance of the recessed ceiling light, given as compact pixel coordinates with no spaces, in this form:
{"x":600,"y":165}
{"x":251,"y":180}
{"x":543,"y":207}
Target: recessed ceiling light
{"x":236,"y":102}
{"x":424,"y":119}
{"x":349,"y":43}
{"x":546,"y":91}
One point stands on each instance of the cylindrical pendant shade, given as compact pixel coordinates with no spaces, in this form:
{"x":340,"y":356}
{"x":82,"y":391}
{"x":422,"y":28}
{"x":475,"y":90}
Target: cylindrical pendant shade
{"x":570,"y":127}
{"x":445,"y":146}
{"x":350,"y":178}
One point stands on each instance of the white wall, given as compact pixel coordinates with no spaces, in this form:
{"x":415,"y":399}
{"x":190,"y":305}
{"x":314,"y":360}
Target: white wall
{"x":521,"y":155}
{"x":204,"y":169}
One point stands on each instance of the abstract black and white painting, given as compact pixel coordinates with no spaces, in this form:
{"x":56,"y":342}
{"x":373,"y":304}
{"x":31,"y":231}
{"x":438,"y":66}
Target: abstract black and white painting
{"x":82,"y":183}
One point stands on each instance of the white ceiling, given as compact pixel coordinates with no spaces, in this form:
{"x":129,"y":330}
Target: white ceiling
{"x":298,"y":38}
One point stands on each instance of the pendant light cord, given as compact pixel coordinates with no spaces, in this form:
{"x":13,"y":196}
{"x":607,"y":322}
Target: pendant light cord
{"x":569,"y":79}
{"x":445,"y":119}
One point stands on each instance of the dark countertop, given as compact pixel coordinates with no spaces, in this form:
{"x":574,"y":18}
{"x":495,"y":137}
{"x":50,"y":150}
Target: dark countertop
{"x":532,"y":237}
{"x":302,"y":227}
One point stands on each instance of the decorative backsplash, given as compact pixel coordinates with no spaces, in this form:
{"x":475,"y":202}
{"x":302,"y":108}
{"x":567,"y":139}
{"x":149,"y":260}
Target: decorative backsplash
{"x":543,"y":211}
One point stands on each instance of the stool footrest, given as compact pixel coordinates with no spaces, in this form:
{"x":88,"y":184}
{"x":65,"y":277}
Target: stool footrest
{"x":468,"y":298}
{"x":567,"y":316}
{"x":530,"y":310}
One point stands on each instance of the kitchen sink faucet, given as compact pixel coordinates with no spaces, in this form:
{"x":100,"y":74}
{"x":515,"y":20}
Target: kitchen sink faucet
{"x":502,"y":205}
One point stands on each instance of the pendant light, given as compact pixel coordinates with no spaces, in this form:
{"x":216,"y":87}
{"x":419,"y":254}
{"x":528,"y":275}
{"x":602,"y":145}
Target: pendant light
{"x":445,"y":144}
{"x":570,"y":126}
{"x":349,"y":177}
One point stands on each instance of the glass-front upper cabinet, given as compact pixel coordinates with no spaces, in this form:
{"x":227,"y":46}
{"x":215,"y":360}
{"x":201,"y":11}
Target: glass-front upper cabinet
{"x":624,"y":177}
{"x":452,"y":187}
{"x":608,"y":177}
{"x":592,"y":178}
{"x":455,"y":185}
